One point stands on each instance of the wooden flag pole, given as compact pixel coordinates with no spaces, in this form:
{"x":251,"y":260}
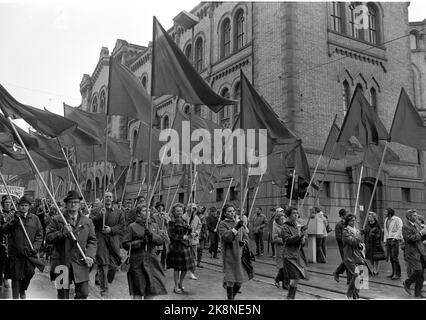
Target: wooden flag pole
{"x":14,"y":207}
{"x":170,"y":185}
{"x":125,"y":181}
{"x":192,"y":188}
{"x":247,"y":182}
{"x":115,"y":189}
{"x":310,"y":183}
{"x":139,"y":192}
{"x":106,"y":159}
{"x":173,"y":199}
{"x":292,"y":186}
{"x":224,"y":202}
{"x":73,"y":176}
{"x":359,"y":188}
{"x":375,"y":183}
{"x":44,"y":184}
{"x":254,"y":197}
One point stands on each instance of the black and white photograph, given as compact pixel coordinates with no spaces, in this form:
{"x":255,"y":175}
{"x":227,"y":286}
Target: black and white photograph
{"x":188,"y":151}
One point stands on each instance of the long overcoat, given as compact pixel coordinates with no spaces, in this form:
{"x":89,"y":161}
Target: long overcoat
{"x":278,"y":243}
{"x":415,"y":250}
{"x":65,"y":252}
{"x":232,"y":251}
{"x":293,"y":254}
{"x":108,"y":252}
{"x":352,"y":255}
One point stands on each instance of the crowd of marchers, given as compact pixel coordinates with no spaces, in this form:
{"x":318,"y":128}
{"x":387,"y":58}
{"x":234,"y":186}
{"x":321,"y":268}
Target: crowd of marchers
{"x":82,"y":240}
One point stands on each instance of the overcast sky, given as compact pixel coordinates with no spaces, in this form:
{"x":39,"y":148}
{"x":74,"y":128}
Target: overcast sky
{"x":47,"y":46}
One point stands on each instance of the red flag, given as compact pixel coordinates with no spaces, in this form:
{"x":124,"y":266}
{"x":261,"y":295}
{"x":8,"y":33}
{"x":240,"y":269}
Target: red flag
{"x":332,"y":148}
{"x":362,"y":122}
{"x":173,"y":74}
{"x":141,"y":150}
{"x":126,"y":95}
{"x":49,"y":123}
{"x":118,"y":152}
{"x":407,"y":126}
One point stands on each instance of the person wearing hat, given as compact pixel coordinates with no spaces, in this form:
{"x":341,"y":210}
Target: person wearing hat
{"x":66,"y":253}
{"x":21,"y":256}
{"x":414,"y":253}
{"x":195,"y":225}
{"x":5,"y":215}
{"x":109,"y":226}
{"x":338,"y":231}
{"x":162,"y":219}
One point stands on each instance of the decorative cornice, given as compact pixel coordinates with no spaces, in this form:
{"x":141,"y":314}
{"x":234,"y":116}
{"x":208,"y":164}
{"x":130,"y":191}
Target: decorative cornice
{"x":141,"y":61}
{"x":101,"y":63}
{"x":235,"y":67}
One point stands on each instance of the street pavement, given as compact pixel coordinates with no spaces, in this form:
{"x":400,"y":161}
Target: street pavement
{"x":321,"y":284}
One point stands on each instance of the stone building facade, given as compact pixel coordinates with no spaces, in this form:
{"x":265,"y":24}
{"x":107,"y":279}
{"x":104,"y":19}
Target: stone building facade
{"x":305,"y":59}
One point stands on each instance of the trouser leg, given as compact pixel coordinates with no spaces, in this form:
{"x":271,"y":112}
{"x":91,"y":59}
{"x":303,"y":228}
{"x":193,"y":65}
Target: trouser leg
{"x":63,"y":294}
{"x":261,"y":241}
{"x":81,"y":290}
{"x":103,"y":278}
{"x":16,"y":286}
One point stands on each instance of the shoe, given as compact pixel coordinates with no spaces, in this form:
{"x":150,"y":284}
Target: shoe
{"x":177,"y":290}
{"x":407,"y":288}
{"x":390,"y":276}
{"x":396,"y":278}
{"x":336,"y":276}
{"x":193,"y":277}
{"x":230,"y":293}
{"x":22,"y":295}
{"x":199,"y":266}
{"x":182,"y":288}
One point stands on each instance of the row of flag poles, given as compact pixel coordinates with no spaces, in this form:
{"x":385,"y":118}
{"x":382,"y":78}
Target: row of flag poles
{"x":86,"y":134}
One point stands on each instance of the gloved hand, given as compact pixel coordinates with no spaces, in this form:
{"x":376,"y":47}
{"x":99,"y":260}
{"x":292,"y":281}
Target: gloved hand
{"x":66,"y":230}
{"x":239,"y":225}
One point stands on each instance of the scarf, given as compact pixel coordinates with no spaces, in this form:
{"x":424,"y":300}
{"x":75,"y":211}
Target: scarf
{"x":355,"y":232}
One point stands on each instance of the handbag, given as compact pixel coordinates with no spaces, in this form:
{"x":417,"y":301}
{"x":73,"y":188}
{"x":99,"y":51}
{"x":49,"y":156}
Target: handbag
{"x":125,"y":265}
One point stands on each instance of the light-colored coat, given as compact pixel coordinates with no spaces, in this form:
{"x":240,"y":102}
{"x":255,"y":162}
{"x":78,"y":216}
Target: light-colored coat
{"x":196,"y":226}
{"x":232,"y":251}
{"x":278,"y":242}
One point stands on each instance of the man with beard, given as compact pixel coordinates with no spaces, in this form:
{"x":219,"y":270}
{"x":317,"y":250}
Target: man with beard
{"x":109,"y":225}
{"x":23,"y":258}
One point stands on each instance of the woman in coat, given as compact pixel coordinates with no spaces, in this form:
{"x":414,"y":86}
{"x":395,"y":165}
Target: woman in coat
{"x":372,"y":239}
{"x":352,"y":254}
{"x":293,"y":237}
{"x":233,"y":237}
{"x":179,"y":256}
{"x":145,"y":276}
{"x":277,"y":229}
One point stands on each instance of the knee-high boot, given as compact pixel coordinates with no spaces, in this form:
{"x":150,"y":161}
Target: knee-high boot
{"x":236,"y":288}
{"x":291,"y":293}
{"x":230,"y":293}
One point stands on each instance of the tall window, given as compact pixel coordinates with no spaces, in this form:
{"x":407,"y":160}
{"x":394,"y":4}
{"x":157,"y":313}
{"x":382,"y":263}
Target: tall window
{"x":166,"y":123}
{"x":224,"y":113}
{"x":95,"y":104}
{"x":373,"y":99}
{"x":236,"y":108}
{"x":199,"y":54}
{"x":186,"y":109}
{"x":372,"y":24}
{"x":188,"y":52}
{"x":413,"y":41}
{"x":239,"y":27}
{"x":102,"y":100}
{"x":140,"y":175}
{"x":336,"y":16}
{"x":134,"y":170}
{"x":144,"y":80}
{"x":346,"y":96}
{"x":357,"y":33}
{"x":135,"y":140}
{"x":226,"y":38}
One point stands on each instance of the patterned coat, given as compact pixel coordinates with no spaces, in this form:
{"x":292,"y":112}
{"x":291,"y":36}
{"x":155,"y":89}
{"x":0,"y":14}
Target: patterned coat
{"x":20,"y":265}
{"x":145,"y":276}
{"x":415,"y":250}
{"x":108,"y":252}
{"x":179,"y":255}
{"x":196,"y":226}
{"x":4,"y":217}
{"x":232,"y":251}
{"x":372,"y":239}
{"x":65,"y":251}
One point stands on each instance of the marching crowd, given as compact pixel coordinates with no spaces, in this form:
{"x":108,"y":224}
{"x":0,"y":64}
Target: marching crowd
{"x":77,"y":241}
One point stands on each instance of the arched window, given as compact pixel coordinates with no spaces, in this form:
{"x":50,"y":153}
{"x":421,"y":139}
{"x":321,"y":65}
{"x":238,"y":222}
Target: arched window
{"x":89,"y":185}
{"x":186,"y":109}
{"x":95,"y":104}
{"x":373,"y":99}
{"x":140,"y":175}
{"x":135,"y":139}
{"x":346,"y":96}
{"x":144,"y":81}
{"x":97,"y":183}
{"x":357,"y":33}
{"x":239,"y":29}
{"x":237,"y":94}
{"x":337,"y":10}
{"x":166,"y":123}
{"x":413,"y":40}
{"x":134,"y":171}
{"x":199,"y":54}
{"x":373,"y":24}
{"x":224,"y":112}
{"x":188,"y":52}
{"x":226,"y":38}
{"x":102,"y":102}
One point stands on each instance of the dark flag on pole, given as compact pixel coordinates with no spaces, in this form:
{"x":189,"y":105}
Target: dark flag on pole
{"x":332,"y":148}
{"x":173,"y":74}
{"x":126,"y":95}
{"x":46,"y":122}
{"x":407,"y":126}
{"x":362,"y":122}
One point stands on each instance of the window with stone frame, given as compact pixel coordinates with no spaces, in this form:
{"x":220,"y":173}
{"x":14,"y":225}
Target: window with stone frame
{"x":224,"y":114}
{"x":144,"y":81}
{"x":95,"y":104}
{"x":188,"y":52}
{"x":357,"y":33}
{"x":373,"y":24}
{"x":199,"y":54}
{"x":166,"y":122}
{"x":373,"y":99}
{"x":337,"y":14}
{"x":102,"y":104}
{"x":346,"y":96}
{"x":239,"y":29}
{"x":225,"y":38}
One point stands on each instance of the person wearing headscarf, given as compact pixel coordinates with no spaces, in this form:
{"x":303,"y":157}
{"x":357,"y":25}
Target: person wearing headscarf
{"x":277,"y":241}
{"x":372,"y":239}
{"x":294,"y":238}
{"x":145,"y":276}
{"x":414,"y":253}
{"x":234,"y":237}
{"x":179,"y":257}
{"x":352,"y":254}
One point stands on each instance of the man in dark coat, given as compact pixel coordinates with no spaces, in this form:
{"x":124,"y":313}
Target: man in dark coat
{"x":339,"y":232}
{"x":21,"y":256}
{"x":134,"y":213}
{"x":5,"y":215}
{"x":109,"y":226}
{"x":66,"y":254}
{"x":414,"y":253}
{"x":211,"y":222}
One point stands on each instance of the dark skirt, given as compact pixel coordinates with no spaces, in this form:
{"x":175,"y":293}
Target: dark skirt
{"x":146,"y":276}
{"x":179,"y":257}
{"x":293,"y":270}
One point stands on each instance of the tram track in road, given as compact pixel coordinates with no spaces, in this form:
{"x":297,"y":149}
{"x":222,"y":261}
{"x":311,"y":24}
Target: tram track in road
{"x":323,"y":293}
